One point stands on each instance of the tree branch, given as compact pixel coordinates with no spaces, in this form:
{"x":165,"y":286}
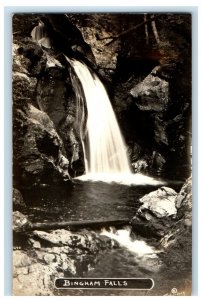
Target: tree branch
{"x":153,"y":24}
{"x":146,"y":29}
{"x":114,"y":38}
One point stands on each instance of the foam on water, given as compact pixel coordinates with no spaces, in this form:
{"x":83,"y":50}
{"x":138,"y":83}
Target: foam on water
{"x":122,"y":236}
{"x":121,"y":178}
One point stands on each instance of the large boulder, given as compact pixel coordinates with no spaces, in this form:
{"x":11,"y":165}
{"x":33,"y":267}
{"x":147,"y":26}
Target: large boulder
{"x":164,"y":213}
{"x":154,"y":215}
{"x":39,"y":156}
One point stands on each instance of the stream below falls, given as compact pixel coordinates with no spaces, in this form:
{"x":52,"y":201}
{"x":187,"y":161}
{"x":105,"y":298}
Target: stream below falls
{"x":134,"y":258}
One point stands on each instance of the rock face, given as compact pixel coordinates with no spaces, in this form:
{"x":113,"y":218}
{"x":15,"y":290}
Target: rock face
{"x":184,"y":202}
{"x":46,"y":144}
{"x":40,"y":150}
{"x":56,"y":97}
{"x":96,"y":28}
{"x":18,"y":202}
{"x":55,"y":254}
{"x":152,"y":93}
{"x":164,"y":213}
{"x":20,"y":222}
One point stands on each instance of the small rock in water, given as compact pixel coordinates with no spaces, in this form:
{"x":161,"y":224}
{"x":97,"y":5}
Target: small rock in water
{"x":49,"y":258}
{"x":20,"y":222}
{"x":35,"y":244}
{"x":18,"y":202}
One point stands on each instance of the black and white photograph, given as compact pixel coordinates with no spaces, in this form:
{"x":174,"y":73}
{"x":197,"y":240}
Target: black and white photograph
{"x":102,"y":154}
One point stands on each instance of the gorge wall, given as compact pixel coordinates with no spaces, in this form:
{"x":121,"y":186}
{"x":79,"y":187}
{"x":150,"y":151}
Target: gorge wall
{"x":146,"y":68}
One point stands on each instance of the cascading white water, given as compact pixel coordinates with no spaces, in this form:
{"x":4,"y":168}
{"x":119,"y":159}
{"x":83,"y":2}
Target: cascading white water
{"x":145,"y":255}
{"x":122,"y":236}
{"x":106,"y":146}
{"x":107,"y":160}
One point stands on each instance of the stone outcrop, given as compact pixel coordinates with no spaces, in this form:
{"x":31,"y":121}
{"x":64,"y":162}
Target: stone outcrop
{"x":155,"y":213}
{"x":152,"y":93}
{"x":18,"y":202}
{"x":40,"y":152}
{"x":52,"y":255}
{"x":164,"y":214}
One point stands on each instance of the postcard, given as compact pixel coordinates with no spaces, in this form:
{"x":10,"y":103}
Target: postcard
{"x":102,"y":154}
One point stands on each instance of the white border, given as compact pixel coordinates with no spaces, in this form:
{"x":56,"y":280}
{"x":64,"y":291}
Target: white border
{"x":118,"y":5}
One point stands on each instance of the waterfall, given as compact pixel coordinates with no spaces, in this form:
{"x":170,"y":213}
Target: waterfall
{"x":105,"y":153}
{"x":107,"y":150}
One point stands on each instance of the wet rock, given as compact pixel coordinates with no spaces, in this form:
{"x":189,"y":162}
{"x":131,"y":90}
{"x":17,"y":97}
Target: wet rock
{"x":155,"y":96}
{"x":89,"y":242}
{"x":52,"y":93}
{"x":164,"y":214}
{"x":21,"y":259}
{"x":181,"y":230}
{"x":154,"y":214}
{"x":55,"y":96}
{"x":35,"y":244}
{"x":66,"y":37}
{"x":18,"y":202}
{"x":158,"y":161}
{"x":23,"y":24}
{"x":49,"y":258}
{"x":23,"y":89}
{"x":140,"y":166}
{"x":184,"y":202}
{"x":42,"y":81}
{"x":20,"y":222}
{"x":61,"y":253}
{"x":39,"y":281}
{"x":152,"y":93}
{"x":160,"y":130}
{"x":160,"y":202}
{"x":94,"y":28}
{"x":38,"y":149}
{"x":134,"y":151}
{"x":45,"y":154}
{"x":33,"y":58}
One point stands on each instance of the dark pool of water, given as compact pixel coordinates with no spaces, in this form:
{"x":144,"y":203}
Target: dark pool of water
{"x":83,"y":201}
